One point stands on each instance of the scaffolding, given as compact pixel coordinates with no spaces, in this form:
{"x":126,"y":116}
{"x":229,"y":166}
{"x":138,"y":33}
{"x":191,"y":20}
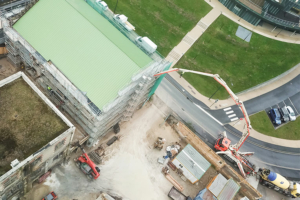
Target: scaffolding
{"x":95,"y":121}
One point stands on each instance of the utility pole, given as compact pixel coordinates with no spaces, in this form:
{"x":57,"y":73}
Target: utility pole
{"x":215,"y":92}
{"x":116,"y":6}
{"x":214,"y":102}
{"x":278,"y":33}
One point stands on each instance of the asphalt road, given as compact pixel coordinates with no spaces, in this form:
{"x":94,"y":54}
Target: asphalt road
{"x":289,"y":93}
{"x":279,"y":159}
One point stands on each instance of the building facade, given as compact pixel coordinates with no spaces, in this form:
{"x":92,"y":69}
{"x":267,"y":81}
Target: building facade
{"x":283,"y":14}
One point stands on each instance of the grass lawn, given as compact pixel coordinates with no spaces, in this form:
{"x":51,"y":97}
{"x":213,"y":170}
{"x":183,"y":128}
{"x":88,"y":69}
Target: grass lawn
{"x":165,"y":22}
{"x":241,"y":64}
{"x":261,"y":123}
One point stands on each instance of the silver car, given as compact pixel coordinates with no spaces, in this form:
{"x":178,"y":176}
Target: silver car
{"x":292,"y":115}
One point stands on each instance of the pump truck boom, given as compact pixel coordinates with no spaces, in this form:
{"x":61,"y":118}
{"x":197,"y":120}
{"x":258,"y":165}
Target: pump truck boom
{"x":223,"y":144}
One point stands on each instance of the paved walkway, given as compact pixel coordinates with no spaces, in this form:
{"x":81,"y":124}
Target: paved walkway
{"x":191,"y":37}
{"x":267,"y":31}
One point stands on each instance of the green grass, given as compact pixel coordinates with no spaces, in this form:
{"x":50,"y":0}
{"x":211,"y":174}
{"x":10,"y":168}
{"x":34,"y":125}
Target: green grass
{"x":241,"y":64}
{"x":26,"y":125}
{"x":165,"y":22}
{"x":261,"y":123}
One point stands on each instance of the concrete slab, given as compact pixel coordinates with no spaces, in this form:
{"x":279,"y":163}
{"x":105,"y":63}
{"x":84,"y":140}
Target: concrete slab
{"x":243,"y":33}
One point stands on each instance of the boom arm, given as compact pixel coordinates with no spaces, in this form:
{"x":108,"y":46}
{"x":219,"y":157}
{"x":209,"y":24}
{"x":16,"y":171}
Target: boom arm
{"x":236,"y":100}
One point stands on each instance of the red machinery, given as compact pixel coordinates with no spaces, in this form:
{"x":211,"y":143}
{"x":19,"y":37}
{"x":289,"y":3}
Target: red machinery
{"x":87,"y":166}
{"x":223,"y":144}
{"x":50,"y":196}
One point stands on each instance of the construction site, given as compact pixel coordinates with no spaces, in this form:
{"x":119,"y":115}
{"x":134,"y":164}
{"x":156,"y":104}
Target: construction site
{"x":75,"y":63}
{"x":99,"y":85}
{"x":35,"y":136}
{"x":133,"y":167}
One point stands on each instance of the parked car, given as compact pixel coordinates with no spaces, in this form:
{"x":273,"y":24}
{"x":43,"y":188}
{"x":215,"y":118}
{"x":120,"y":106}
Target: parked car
{"x":102,"y":4}
{"x":284,"y":114}
{"x":292,"y":115}
{"x":50,"y":196}
{"x":275,"y":116}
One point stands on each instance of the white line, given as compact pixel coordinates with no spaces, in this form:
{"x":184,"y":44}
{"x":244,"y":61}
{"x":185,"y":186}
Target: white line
{"x":233,"y":119}
{"x":208,"y":114}
{"x":293,"y":105}
{"x":227,"y":109}
{"x":284,"y":103}
{"x":229,"y":112}
{"x":232,"y":115}
{"x":296,"y":169}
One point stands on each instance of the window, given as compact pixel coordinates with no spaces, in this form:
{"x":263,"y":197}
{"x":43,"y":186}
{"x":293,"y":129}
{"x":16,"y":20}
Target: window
{"x":60,"y":144}
{"x":58,"y":156}
{"x":37,"y":161}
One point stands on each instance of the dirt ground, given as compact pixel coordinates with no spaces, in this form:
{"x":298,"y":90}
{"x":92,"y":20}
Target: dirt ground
{"x":27,"y":123}
{"x":6,"y":69}
{"x":129,"y":168}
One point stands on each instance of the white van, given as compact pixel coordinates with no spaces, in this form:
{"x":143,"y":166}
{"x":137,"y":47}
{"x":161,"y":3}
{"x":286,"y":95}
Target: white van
{"x":102,"y":4}
{"x":146,"y":44}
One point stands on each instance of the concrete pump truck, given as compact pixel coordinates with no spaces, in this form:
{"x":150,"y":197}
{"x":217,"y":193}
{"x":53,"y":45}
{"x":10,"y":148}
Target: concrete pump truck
{"x":223,"y":144}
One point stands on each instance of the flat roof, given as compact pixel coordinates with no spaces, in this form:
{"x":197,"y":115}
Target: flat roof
{"x":27,"y":123}
{"x":87,"y":48}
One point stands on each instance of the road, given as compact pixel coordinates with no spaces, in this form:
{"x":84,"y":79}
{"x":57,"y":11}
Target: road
{"x":288,"y":94}
{"x":279,"y":159}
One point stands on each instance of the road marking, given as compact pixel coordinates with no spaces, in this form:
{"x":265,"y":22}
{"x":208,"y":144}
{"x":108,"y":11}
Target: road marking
{"x":232,"y":115}
{"x":229,"y":112}
{"x":293,"y":105}
{"x":276,"y":165}
{"x":284,"y":103}
{"x":208,"y":114}
{"x":233,"y":119}
{"x":227,"y":109}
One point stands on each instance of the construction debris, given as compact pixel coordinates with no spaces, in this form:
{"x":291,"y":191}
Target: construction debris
{"x":159,"y":144}
{"x":219,"y":164}
{"x":166,"y":171}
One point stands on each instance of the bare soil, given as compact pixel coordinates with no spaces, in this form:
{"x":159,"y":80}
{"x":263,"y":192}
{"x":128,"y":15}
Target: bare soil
{"x":6,"y":69}
{"x":129,"y":168}
{"x":26,"y":123}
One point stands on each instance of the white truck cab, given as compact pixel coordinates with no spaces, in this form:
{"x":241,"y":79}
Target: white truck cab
{"x":146,"y":44}
{"x":122,"y":20}
{"x":102,"y":4}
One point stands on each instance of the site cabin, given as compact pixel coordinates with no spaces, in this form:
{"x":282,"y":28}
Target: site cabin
{"x":146,"y":44}
{"x":122,"y":20}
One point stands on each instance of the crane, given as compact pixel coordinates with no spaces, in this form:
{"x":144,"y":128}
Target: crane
{"x":223,"y":144}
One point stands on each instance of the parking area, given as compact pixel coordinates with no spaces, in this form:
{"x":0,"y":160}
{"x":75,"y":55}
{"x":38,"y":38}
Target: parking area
{"x":292,"y":101}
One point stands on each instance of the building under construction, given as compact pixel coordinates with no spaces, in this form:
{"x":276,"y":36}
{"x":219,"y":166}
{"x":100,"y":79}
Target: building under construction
{"x":34,"y":136}
{"x":91,"y":66}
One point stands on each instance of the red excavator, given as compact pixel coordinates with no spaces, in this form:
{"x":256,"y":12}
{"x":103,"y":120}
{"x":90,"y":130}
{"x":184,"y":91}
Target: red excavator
{"x":87,"y":166}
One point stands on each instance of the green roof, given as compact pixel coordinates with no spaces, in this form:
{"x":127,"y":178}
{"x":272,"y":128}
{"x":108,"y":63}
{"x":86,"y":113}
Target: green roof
{"x":90,"y":51}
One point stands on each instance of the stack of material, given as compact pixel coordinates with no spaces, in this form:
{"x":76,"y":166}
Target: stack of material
{"x":166,"y":171}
